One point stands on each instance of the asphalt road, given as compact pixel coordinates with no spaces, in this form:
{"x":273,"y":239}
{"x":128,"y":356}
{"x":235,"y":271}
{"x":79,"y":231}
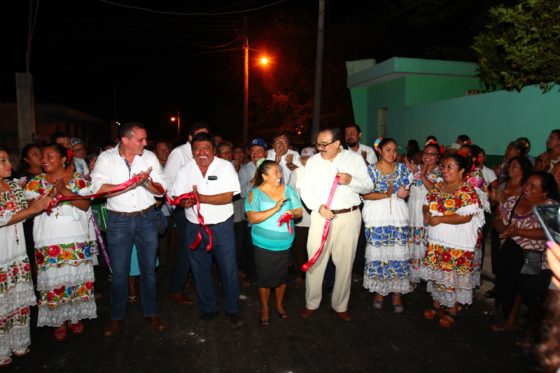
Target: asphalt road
{"x":374,"y":341}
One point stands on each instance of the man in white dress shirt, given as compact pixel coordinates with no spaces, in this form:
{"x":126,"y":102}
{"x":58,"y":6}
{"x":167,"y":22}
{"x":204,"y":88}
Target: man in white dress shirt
{"x":132,"y":219}
{"x":353,"y":135}
{"x":286,"y":158}
{"x":215,"y":182}
{"x":179,"y":157}
{"x":344,"y":213}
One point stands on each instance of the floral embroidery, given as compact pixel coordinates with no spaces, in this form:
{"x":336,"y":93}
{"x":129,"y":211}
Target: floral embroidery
{"x":63,"y":294}
{"x":62,"y":254}
{"x":476,"y":180}
{"x":40,"y":185}
{"x":417,"y":236}
{"x":447,"y":203}
{"x":12,"y":199}
{"x":387,"y":236}
{"x":18,"y":317}
{"x":434,"y":176}
{"x":400,"y":177}
{"x":441,"y":258}
{"x":11,"y":275}
{"x":387,"y":270}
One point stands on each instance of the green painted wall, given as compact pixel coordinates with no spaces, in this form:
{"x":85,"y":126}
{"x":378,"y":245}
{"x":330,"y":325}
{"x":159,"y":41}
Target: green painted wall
{"x":492,"y":120}
{"x":428,"y":88}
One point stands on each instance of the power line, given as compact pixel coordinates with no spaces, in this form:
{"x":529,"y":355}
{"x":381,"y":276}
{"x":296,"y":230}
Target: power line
{"x":183,"y":14}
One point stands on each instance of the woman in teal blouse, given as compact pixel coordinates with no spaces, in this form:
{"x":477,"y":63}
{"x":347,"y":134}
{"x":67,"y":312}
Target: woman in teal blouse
{"x":266,"y":204}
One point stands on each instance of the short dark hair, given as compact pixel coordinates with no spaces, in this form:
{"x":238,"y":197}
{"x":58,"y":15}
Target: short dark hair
{"x":384,"y":142}
{"x":463,"y":139}
{"x":285,"y":134}
{"x":57,"y":135}
{"x":223,"y":145}
{"x":526,"y":167}
{"x":336,"y":133}
{"x":203,"y":137}
{"x":198,"y":126}
{"x":548,"y":184}
{"x":353,"y":125}
{"x":127,"y":128}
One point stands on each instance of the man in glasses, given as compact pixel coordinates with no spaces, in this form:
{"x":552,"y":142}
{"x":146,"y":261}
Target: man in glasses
{"x":287,"y":159}
{"x":343,"y":212}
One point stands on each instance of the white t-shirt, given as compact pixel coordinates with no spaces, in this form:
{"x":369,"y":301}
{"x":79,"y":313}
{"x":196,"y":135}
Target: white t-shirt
{"x":488,"y":174}
{"x":220,"y":178}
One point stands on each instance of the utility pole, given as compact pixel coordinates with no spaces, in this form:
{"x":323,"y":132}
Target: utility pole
{"x":246,"y":85}
{"x":318,"y":71}
{"x":25,"y":99}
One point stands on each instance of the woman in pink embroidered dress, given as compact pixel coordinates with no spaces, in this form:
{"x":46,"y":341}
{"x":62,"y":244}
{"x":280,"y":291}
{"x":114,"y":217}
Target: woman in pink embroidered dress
{"x":63,"y":248}
{"x":16,"y":287}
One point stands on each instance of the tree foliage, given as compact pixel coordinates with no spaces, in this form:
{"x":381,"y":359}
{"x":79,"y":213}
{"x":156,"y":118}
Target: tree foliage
{"x":520,"y":46}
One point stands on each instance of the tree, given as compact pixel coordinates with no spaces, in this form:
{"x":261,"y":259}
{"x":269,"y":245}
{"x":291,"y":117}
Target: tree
{"x":520,"y":46}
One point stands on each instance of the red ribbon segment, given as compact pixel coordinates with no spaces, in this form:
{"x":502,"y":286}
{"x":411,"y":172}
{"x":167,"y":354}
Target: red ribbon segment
{"x":172,"y":202}
{"x":326,"y":229}
{"x":286,"y":218}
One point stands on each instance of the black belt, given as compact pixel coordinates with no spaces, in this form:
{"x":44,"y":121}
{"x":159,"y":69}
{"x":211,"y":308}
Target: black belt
{"x":343,"y":211}
{"x":132,"y":214}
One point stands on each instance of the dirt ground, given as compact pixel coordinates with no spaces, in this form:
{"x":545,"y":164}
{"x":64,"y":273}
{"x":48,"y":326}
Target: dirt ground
{"x":374,"y":341}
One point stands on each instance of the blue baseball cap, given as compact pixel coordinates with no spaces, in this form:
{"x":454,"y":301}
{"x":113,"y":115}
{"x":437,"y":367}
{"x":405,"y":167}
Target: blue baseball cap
{"x":257,"y":142}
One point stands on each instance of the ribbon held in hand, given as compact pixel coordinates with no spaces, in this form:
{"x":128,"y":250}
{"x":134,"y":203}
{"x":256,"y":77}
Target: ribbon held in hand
{"x":286,"y":218}
{"x":326,"y":229}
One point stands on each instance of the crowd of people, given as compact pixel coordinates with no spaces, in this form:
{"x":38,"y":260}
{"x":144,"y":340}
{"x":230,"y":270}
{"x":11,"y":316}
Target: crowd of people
{"x":415,"y":215}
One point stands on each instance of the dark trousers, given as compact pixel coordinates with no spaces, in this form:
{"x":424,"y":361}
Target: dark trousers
{"x":223,"y":251}
{"x":182,"y":264}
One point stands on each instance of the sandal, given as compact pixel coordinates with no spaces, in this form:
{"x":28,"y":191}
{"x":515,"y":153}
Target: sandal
{"x":60,"y":333}
{"x":6,"y":362}
{"x":430,"y":314}
{"x":265,"y":322}
{"x":282,"y":315}
{"x":77,"y":328}
{"x":398,"y":307}
{"x":446,"y":321}
{"x":22,"y":352}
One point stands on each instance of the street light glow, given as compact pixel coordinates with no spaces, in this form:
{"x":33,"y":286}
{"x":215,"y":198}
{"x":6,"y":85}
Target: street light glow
{"x":173,"y":119}
{"x":264,"y":60}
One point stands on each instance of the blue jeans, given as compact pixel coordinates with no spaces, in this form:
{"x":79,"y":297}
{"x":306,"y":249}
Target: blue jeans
{"x":122,"y":232}
{"x":223,"y":251}
{"x":182,"y":264}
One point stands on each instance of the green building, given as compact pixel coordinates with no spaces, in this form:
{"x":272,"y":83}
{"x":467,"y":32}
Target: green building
{"x":408,"y":98}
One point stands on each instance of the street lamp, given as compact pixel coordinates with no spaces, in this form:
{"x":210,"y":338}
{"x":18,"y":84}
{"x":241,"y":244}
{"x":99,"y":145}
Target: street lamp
{"x":264,"y":62}
{"x":177,"y":118}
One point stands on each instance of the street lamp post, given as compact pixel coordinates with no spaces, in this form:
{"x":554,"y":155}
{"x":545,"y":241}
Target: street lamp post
{"x":177,"y":118}
{"x":264,"y":62}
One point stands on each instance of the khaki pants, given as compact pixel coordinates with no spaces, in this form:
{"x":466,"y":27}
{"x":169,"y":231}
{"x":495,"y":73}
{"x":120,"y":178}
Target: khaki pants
{"x":341,"y":245}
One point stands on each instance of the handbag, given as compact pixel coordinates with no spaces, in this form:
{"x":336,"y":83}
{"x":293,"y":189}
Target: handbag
{"x":532,"y":262}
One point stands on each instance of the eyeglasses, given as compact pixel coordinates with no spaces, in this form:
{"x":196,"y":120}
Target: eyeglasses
{"x":323,"y":146}
{"x":430,"y":154}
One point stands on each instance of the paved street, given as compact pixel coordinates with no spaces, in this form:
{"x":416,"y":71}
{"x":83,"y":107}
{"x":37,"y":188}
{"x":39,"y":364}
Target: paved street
{"x":375,"y":341}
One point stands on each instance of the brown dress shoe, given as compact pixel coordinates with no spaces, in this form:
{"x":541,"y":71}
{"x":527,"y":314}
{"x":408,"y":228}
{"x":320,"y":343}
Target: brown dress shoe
{"x":307,"y":313}
{"x":112,"y":328}
{"x":155,"y":323}
{"x":179,"y":298}
{"x":345,"y":315}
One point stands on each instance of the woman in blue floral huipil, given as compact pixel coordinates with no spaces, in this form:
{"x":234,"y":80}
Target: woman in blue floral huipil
{"x":387,"y":230}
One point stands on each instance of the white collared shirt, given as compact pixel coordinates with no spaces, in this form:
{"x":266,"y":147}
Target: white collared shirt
{"x":371,"y":158}
{"x":111,"y":168}
{"x":220,"y":177}
{"x":286,"y":173}
{"x":178,"y":157}
{"x":319,"y":176}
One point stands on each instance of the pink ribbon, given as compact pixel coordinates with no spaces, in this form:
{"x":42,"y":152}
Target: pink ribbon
{"x":286,"y":218}
{"x":326,"y":229}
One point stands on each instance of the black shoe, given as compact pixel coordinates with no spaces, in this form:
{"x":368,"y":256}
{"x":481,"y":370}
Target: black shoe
{"x":235,"y":319}
{"x":208,"y":316}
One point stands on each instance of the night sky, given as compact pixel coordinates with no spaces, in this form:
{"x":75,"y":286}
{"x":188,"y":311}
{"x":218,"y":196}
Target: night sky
{"x":121,"y":63}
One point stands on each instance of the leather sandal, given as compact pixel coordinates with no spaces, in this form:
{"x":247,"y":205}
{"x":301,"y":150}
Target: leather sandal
{"x":77,"y":328}
{"x":60,"y":333}
{"x":446,"y":321}
{"x":265,"y":322}
{"x":430,"y":314}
